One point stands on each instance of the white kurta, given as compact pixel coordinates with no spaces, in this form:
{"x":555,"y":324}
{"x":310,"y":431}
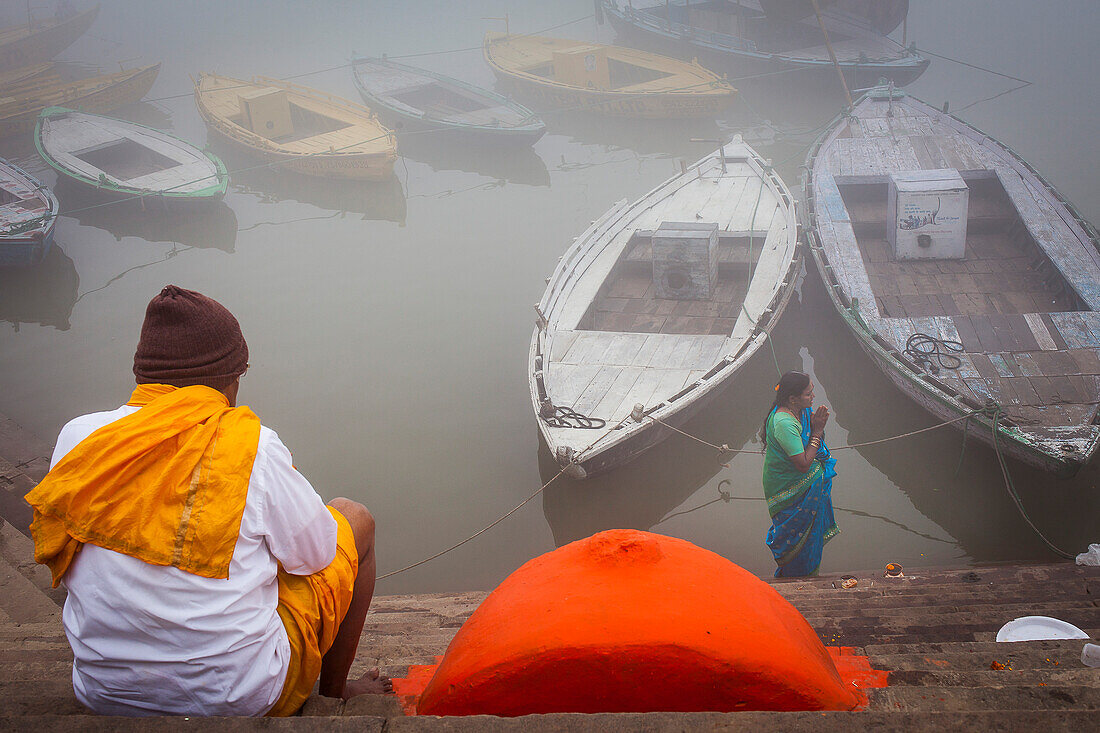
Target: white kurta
{"x":151,"y":640}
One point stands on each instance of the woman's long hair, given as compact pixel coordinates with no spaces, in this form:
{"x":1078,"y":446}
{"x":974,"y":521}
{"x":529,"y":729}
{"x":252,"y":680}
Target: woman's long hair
{"x":790,"y":384}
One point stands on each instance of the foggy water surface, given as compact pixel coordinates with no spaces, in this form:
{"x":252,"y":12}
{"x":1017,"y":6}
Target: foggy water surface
{"x":389,"y":323}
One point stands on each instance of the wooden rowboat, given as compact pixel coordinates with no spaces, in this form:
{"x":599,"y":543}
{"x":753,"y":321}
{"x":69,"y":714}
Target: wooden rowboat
{"x":28,"y":212}
{"x":125,"y":160}
{"x":19,"y":109}
{"x":657,"y":305}
{"x":924,"y":227}
{"x":300,"y":129}
{"x":567,"y":75}
{"x":755,"y":36}
{"x":42,"y":40}
{"x":426,"y":100}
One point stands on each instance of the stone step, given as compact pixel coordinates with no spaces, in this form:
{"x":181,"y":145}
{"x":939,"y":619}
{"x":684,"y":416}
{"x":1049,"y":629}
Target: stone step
{"x":18,"y":551}
{"x":12,"y":671}
{"x":1043,"y":648}
{"x":21,"y":601}
{"x":961,"y":661}
{"x":1058,"y":593}
{"x":993,"y":612}
{"x":39,"y":697}
{"x":1047,"y":676}
{"x":1009,"y":697}
{"x":804,"y":722}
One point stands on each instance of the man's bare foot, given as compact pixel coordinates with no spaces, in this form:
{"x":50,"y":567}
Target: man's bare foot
{"x":372,"y":683}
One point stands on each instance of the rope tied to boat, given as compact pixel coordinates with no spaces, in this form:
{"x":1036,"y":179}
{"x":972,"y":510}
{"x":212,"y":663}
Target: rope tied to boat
{"x":567,"y":417}
{"x":933,"y":353}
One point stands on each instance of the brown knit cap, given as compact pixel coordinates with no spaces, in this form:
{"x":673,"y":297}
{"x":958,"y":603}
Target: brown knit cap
{"x":187,"y":339}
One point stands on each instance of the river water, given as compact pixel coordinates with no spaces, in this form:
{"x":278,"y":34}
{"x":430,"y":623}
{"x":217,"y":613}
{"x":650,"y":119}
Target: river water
{"x":389,"y":323}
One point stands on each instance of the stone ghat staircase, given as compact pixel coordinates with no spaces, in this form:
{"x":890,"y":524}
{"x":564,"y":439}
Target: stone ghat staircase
{"x":933,"y":629}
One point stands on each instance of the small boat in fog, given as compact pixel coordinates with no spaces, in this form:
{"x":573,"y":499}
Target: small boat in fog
{"x":426,"y":100}
{"x":28,"y":213}
{"x":20,"y":107}
{"x":967,"y":278}
{"x":126,"y":160}
{"x":657,"y":305}
{"x":297,"y":128}
{"x":566,"y":75}
{"x":761,"y":36}
{"x":41,"y":40}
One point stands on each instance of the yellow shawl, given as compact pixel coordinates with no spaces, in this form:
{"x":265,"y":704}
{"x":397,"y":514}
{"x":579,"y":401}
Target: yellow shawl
{"x":166,"y":485}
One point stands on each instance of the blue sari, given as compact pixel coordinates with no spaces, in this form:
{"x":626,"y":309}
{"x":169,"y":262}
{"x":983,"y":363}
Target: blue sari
{"x":801,"y":511}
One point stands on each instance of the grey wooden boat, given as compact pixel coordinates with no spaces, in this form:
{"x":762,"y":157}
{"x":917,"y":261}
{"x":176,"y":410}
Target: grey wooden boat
{"x":657,"y":305}
{"x":427,"y":100}
{"x":1013,"y":304}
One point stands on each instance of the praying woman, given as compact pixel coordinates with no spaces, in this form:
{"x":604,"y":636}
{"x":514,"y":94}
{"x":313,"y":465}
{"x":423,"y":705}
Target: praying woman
{"x":798,"y":478}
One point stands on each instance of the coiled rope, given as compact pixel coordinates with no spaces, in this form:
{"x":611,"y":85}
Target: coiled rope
{"x":933,"y":353}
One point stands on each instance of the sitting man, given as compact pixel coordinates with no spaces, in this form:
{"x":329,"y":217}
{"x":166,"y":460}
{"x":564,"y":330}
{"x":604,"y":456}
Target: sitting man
{"x":205,"y":575}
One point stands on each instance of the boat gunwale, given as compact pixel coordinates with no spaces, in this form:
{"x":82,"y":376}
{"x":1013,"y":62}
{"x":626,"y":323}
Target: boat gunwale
{"x":718,"y":87}
{"x":535,"y":126}
{"x":117,"y":78}
{"x":723,"y":369}
{"x":252,"y":140}
{"x":1017,"y":441}
{"x":214,"y":191}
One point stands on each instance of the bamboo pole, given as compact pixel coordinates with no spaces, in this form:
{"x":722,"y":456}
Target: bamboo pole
{"x":832,"y":54}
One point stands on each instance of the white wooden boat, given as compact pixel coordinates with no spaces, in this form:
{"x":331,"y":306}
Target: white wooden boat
{"x":979,"y":252}
{"x":126,"y":160}
{"x":646,"y":317}
{"x":28,"y":213}
{"x":426,"y":100}
{"x":298,"y":128}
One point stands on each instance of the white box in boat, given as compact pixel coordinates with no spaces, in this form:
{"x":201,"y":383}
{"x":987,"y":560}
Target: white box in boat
{"x":685,"y":260}
{"x":926,"y":215}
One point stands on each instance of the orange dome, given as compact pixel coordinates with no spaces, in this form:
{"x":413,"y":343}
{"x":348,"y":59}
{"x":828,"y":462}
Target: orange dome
{"x":629,"y":621}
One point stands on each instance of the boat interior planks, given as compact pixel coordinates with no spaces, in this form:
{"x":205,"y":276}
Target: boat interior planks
{"x":1020,"y":292}
{"x":658,"y":303}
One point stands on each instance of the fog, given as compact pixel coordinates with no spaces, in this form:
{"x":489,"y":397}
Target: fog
{"x":389,"y":323}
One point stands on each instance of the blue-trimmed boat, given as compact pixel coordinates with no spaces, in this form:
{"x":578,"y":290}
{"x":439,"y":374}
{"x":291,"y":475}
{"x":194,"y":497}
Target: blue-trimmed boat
{"x":28,"y":213}
{"x":762,"y":36}
{"x":422,"y":99}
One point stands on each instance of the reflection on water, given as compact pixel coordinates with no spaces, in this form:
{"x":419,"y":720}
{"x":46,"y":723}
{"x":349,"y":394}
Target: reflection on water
{"x":213,"y":225}
{"x":443,"y":152}
{"x":44,"y":294}
{"x":374,"y":200}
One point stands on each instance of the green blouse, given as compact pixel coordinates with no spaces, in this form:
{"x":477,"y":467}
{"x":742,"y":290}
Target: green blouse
{"x":784,"y":440}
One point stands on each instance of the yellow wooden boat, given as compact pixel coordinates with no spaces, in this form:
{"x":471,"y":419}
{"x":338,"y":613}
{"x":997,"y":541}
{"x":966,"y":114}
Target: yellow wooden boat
{"x":21,"y":103}
{"x":42,"y":40}
{"x":571,"y":75}
{"x":303,"y":129}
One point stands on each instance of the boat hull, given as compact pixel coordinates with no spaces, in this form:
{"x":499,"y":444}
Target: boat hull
{"x":741,"y":63}
{"x":599,"y":359}
{"x":339,"y":164}
{"x":975,"y":401}
{"x":30,"y":247}
{"x":681,"y":89}
{"x":172,"y":198}
{"x":43,"y":45}
{"x":517,"y":130}
{"x":123,"y":88}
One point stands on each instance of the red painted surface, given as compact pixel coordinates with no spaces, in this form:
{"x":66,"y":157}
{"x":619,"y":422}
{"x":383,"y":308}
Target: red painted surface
{"x":629,"y":621}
